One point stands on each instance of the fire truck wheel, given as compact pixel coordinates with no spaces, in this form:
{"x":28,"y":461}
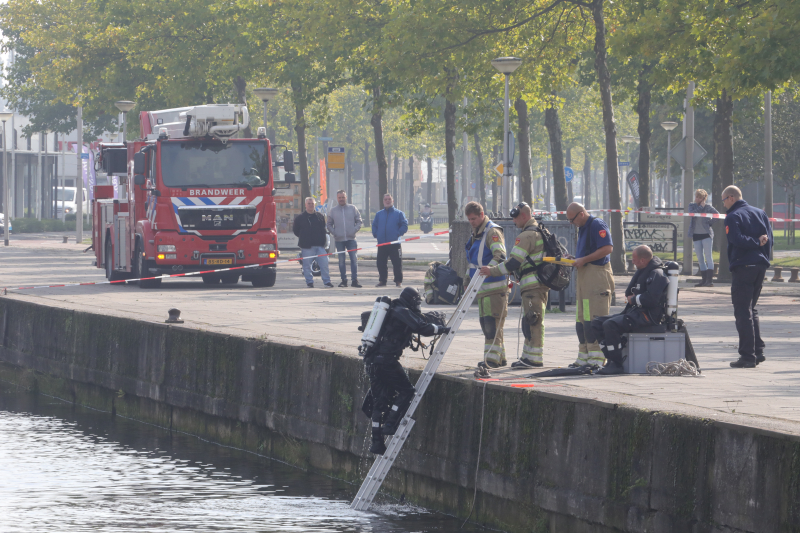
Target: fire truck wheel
{"x":267,"y":279}
{"x":142,"y":270}
{"x":111,"y":274}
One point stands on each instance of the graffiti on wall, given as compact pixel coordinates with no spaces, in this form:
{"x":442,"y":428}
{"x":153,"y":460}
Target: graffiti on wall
{"x":658,"y":238}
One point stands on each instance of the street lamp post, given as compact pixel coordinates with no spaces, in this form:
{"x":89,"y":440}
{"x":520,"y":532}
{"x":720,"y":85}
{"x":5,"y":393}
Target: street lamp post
{"x":669,"y":126}
{"x":506,"y":66}
{"x":265,"y":94}
{"x":5,"y":116}
{"x":125,"y":106}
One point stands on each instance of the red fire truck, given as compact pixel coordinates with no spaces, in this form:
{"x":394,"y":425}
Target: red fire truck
{"x":191,"y":198}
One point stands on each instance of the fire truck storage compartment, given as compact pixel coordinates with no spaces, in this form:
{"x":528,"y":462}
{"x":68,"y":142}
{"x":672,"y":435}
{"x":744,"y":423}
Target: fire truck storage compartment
{"x":106,"y":220}
{"x":121,"y":239}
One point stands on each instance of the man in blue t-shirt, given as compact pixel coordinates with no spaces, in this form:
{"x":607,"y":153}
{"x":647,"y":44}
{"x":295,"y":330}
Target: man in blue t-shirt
{"x":595,"y":281}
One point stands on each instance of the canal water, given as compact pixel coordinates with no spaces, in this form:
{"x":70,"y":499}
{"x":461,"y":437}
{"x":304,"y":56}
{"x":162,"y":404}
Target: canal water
{"x":71,"y":469}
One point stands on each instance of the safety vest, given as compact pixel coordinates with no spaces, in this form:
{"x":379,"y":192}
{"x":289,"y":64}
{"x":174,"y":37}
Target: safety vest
{"x":480,"y":254}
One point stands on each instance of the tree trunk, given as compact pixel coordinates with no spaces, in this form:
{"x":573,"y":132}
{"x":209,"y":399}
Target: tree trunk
{"x":366,"y":180}
{"x":604,"y":81}
{"x":241,"y":92}
{"x":643,"y":110}
{"x":525,"y":174}
{"x":380,"y":154}
{"x":568,"y":163}
{"x":450,"y":158}
{"x":494,"y":180}
{"x":481,"y":182}
{"x":587,"y":173}
{"x":300,"y":129}
{"x":430,"y":182}
{"x":394,"y":175}
{"x":723,"y":173}
{"x":349,"y":187}
{"x":553,"y":125}
{"x":548,"y":174}
{"x":410,"y":189}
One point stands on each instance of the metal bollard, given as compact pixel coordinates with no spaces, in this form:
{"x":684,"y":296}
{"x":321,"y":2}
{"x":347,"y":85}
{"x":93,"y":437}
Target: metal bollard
{"x":65,"y":239}
{"x":562,"y":305}
{"x":778,"y":275}
{"x":794,"y":271}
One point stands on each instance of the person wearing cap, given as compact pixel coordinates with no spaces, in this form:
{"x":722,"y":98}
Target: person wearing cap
{"x":486,"y":247}
{"x":525,"y":257}
{"x":594,"y":281}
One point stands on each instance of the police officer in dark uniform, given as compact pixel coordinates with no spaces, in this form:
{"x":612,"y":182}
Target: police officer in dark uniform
{"x":392,"y":392}
{"x":646,"y":297}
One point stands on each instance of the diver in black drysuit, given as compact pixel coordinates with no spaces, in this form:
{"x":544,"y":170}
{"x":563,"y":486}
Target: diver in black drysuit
{"x":388,"y":380}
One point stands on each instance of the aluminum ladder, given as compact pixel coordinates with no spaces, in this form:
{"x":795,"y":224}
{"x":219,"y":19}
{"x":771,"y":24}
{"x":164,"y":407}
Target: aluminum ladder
{"x":383,"y":463}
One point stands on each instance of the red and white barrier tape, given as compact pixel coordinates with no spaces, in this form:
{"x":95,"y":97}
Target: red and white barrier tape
{"x":668,"y":213}
{"x":185,"y":274}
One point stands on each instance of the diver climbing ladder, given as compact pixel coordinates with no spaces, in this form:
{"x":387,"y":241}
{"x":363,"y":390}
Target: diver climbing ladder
{"x":383,"y":463}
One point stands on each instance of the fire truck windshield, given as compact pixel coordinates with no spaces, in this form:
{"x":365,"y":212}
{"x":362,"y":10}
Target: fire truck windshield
{"x":211,"y":163}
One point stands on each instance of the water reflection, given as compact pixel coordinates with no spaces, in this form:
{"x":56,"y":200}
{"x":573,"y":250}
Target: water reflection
{"x":74,"y":469}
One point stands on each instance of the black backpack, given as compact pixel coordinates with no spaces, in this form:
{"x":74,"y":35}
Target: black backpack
{"x":551,"y":275}
{"x":442,"y":285}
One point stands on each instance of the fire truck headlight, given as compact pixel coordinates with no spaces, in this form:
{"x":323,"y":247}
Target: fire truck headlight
{"x":265,"y":247}
{"x":160,"y":256}
{"x":270,"y":255}
{"x":166,"y":247}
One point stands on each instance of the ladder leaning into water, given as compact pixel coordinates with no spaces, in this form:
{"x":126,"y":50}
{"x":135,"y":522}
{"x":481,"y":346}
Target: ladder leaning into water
{"x":383,"y":463}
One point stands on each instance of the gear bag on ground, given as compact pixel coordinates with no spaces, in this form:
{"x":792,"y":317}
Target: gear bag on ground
{"x":442,"y":285}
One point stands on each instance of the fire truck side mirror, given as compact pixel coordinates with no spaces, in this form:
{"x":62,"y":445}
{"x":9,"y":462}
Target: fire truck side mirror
{"x":288,"y":161}
{"x":289,"y":177}
{"x":138,"y":163}
{"x":138,"y":179}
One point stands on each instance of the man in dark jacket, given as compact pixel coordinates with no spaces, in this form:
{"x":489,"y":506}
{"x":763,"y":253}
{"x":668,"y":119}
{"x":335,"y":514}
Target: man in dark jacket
{"x":749,"y":243}
{"x":309,"y":227}
{"x":645,"y":295}
{"x":389,"y":225}
{"x":386,"y":376}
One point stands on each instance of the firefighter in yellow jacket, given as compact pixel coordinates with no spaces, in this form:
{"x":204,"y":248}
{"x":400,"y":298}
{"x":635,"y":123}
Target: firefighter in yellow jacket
{"x":486,"y":247}
{"x":526,"y":255}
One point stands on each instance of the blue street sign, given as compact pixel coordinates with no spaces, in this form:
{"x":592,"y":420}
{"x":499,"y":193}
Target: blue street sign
{"x":624,"y":163}
{"x":335,"y":149}
{"x":324,"y":138}
{"x":84,"y":156}
{"x":569,"y":174}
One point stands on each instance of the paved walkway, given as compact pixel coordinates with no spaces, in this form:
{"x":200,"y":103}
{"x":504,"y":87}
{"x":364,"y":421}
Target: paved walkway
{"x":765,"y":397}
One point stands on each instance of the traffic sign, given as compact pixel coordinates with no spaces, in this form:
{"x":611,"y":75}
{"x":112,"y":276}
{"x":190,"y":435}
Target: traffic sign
{"x":335,"y":158}
{"x":624,"y":163}
{"x":679,"y":153}
{"x":324,"y":138}
{"x":84,"y":156}
{"x":569,"y":174}
{"x":499,"y":168}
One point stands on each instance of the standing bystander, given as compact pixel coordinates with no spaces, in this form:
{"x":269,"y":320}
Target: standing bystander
{"x":486,"y":247}
{"x":749,"y":243}
{"x":309,"y":226}
{"x":703,"y":237}
{"x":389,"y":225}
{"x":344,"y":221}
{"x":595,"y":281}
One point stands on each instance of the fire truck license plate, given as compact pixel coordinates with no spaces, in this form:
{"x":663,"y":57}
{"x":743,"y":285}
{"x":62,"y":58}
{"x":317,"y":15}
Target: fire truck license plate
{"x":218,"y":261}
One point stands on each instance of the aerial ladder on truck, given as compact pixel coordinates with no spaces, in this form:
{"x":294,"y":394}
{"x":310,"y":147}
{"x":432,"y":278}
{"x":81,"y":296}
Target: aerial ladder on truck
{"x":383,"y":463}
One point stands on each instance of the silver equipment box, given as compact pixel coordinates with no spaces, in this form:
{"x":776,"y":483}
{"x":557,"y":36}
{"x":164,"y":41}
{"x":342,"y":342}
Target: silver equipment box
{"x":643,"y":348}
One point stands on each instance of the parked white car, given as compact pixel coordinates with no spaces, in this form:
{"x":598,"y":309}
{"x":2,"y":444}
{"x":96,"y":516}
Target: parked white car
{"x":3,"y":225}
{"x":70,"y":206}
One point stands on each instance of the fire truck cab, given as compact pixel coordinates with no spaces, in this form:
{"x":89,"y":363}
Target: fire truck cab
{"x":191,"y":198}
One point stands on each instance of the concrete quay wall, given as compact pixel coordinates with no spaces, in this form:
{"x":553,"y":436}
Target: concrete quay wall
{"x":548,"y":462}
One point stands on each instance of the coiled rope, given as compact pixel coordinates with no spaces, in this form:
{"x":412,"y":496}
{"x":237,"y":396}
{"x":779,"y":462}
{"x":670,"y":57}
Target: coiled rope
{"x":681,"y":367}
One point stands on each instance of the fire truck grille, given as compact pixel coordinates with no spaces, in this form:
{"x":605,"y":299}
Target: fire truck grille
{"x":217,"y":218}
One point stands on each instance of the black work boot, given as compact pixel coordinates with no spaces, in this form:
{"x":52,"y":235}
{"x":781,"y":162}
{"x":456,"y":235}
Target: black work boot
{"x":760,"y":358}
{"x":378,"y":447}
{"x":710,"y":278}
{"x":743,"y":363}
{"x":343,"y":283}
{"x":611,"y":368}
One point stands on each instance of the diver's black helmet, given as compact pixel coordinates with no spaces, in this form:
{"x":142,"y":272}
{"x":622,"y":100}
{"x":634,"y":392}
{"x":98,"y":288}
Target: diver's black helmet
{"x":410,"y":298}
